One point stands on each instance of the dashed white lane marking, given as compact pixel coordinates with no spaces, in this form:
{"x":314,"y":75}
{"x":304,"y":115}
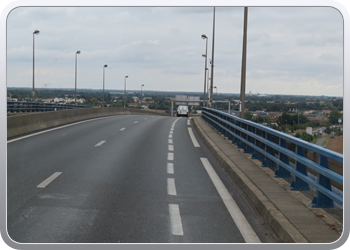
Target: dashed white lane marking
{"x":170,"y":136}
{"x":175,"y":219}
{"x":243,"y":225}
{"x":193,"y":138}
{"x":171,"y":132}
{"x":171,"y":147}
{"x":49,"y":180}
{"x":171,"y":186}
{"x":136,"y":122}
{"x":121,"y":129}
{"x":170,"y":156}
{"x":100,"y":143}
{"x":170,"y":168}
{"x":170,"y":141}
{"x":188,"y":122}
{"x":145,"y":118}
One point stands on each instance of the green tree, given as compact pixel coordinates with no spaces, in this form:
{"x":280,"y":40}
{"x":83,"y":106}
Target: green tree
{"x":334,"y":116}
{"x":248,"y":115}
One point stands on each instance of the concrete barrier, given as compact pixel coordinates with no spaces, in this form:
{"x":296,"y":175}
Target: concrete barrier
{"x":30,"y":122}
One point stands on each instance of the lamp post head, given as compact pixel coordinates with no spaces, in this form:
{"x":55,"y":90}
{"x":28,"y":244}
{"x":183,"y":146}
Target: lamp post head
{"x":203,"y":55}
{"x":126,"y":76}
{"x":105,"y":66}
{"x":204,"y":36}
{"x":36,"y":32}
{"x":78,"y":52}
{"x":142,"y":85}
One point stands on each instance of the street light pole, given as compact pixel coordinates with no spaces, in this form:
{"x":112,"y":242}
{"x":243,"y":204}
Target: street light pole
{"x":216,"y":96}
{"x":141,"y":92}
{"x":36,"y":32}
{"x":212,"y":63}
{"x":205,"y":67}
{"x":125,"y":89}
{"x":244,"y":59}
{"x":76,"y":54}
{"x":104,"y":66}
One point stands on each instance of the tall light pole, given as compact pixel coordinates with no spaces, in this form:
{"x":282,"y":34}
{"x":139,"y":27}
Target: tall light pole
{"x":141,"y":91}
{"x":76,"y":54}
{"x":104,"y":66}
{"x":216,"y":96}
{"x":205,"y":67}
{"x":212,"y":62}
{"x":244,"y":59}
{"x":125,"y":89}
{"x":36,"y":32}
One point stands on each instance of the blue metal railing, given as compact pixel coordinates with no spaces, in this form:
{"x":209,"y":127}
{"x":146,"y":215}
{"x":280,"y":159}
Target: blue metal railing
{"x":26,"y":107}
{"x":283,"y":153}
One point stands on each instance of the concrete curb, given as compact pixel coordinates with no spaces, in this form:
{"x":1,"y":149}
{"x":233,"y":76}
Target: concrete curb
{"x":277,"y":223}
{"x":27,"y":123}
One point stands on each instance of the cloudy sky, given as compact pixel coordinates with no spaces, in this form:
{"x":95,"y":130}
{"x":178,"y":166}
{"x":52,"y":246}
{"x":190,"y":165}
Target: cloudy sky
{"x":291,"y":50}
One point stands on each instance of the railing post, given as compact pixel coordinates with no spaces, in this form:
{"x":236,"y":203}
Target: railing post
{"x":299,"y":184}
{"x":282,"y":172}
{"x":320,"y":200}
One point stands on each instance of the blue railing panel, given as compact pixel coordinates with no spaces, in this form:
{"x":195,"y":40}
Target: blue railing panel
{"x":270,"y":147}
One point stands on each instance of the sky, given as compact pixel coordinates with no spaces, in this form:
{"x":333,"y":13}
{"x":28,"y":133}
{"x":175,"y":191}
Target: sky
{"x":290,"y":50}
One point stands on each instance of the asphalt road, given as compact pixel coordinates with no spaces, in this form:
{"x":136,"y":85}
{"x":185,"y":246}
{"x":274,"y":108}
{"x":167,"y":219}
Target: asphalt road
{"x":123,"y":179}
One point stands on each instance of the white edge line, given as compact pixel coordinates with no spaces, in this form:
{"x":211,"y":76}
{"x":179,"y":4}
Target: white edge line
{"x":241,"y":222}
{"x":52,"y":129}
{"x":193,"y":138}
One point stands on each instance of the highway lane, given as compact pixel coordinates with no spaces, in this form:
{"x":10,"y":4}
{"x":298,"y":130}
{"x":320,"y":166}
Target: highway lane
{"x":118,"y":179}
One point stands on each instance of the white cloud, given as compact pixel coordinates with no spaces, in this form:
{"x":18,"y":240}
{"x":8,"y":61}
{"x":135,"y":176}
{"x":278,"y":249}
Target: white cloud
{"x":289,"y":48}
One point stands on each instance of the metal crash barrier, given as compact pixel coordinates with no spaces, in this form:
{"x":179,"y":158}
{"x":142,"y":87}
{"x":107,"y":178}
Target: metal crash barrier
{"x":28,"y":107}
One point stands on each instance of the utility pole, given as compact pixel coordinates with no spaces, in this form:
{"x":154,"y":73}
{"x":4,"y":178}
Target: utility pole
{"x":244,"y":59}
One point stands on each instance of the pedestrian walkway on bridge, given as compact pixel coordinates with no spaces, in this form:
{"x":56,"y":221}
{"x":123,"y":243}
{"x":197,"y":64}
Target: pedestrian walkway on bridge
{"x":286,"y":213}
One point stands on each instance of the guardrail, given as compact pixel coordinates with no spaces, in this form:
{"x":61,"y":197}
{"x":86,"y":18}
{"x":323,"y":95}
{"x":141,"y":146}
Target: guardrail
{"x":283,"y":153}
{"x":27,"y":107}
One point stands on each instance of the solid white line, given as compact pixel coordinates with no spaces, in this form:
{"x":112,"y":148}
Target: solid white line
{"x":170,"y":156}
{"x":49,"y":180}
{"x":171,"y":147}
{"x":121,"y":129}
{"x":100,"y":143}
{"x":171,"y":186}
{"x":175,"y":219}
{"x":241,"y":222}
{"x":188,"y":122}
{"x":170,"y":168}
{"x":193,"y":138}
{"x":52,"y":129}
{"x":170,"y":141}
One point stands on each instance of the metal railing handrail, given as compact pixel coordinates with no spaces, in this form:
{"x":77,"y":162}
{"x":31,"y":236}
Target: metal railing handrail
{"x":232,"y":126}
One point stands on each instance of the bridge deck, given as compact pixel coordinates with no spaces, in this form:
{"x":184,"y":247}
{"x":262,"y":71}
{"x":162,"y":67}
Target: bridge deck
{"x":287,"y":213}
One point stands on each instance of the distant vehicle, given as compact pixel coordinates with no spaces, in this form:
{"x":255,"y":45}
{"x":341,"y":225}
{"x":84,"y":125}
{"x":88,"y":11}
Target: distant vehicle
{"x":182,"y":111}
